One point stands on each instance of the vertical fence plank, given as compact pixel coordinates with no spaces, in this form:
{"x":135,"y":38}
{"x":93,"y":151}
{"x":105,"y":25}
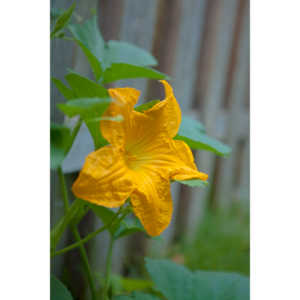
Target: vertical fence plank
{"x":184,"y":78}
{"x":138,"y":24}
{"x":236,"y":100}
{"x":211,"y":87}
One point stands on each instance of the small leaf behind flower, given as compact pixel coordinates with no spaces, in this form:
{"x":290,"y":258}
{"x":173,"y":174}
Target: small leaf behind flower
{"x":125,"y":227}
{"x":193,"y":133}
{"x":86,"y":108}
{"x":118,"y":71}
{"x":146,"y":106}
{"x":194,"y":183}
{"x":83,"y":87}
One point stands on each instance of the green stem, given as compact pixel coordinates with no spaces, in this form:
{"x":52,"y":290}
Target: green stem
{"x":76,"y":234}
{"x":88,"y":237}
{"x":63,"y":188}
{"x":86,"y":264}
{"x":59,"y":228}
{"x":81,"y":242}
{"x":108,"y":269}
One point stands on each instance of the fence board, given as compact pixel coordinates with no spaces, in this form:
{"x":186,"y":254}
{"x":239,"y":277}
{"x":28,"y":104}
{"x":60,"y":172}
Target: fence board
{"x":211,"y":87}
{"x":138,"y":24}
{"x":184,"y":79}
{"x":236,"y":101}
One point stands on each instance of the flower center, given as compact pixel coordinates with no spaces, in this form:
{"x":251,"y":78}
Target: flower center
{"x":134,"y":160}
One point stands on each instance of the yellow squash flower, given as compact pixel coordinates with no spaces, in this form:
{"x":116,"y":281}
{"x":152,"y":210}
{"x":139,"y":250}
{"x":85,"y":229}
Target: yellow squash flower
{"x":140,"y":161}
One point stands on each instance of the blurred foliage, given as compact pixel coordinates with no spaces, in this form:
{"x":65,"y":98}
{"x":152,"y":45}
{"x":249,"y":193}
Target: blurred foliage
{"x":222,"y":242}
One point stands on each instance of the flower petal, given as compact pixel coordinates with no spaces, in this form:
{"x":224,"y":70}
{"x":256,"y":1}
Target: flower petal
{"x":172,"y":158}
{"x":124,"y":101}
{"x":167,"y":112}
{"x":184,"y":168}
{"x":152,"y":202}
{"x":104,"y":179}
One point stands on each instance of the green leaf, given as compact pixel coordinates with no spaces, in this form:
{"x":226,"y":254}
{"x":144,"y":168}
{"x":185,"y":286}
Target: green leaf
{"x":55,"y":13}
{"x":190,"y":126}
{"x":86,"y":108}
{"x":85,"y":88}
{"x":192,"y":132}
{"x":129,"y":226}
{"x":60,"y":137}
{"x":225,"y":285}
{"x":94,"y":129}
{"x":121,"y":284}
{"x":194,"y":183}
{"x":146,"y":106}
{"x":122,"y":52}
{"x":58,"y":290}
{"x":118,"y":71}
{"x":64,"y":90}
{"x":178,"y":283}
{"x":137,"y":296}
{"x":89,"y":38}
{"x":62,"y":20}
{"x":89,"y":35}
{"x":102,"y":55}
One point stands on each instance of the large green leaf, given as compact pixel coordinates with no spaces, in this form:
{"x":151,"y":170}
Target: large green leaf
{"x":60,"y":137}
{"x":122,"y":52}
{"x":118,"y":71}
{"x":178,"y":283}
{"x":137,"y":296}
{"x":85,"y":88}
{"x":225,"y":285}
{"x":102,"y":55}
{"x":89,"y":38}
{"x":86,"y":108}
{"x":193,"y":133}
{"x":88,"y":34}
{"x":62,"y":21}
{"x":58,"y":290}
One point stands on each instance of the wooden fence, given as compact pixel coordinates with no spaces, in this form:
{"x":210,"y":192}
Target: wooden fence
{"x":204,"y":46}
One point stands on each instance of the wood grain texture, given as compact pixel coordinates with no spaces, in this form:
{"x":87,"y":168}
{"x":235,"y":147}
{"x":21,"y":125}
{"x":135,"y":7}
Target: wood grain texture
{"x":138,"y":25}
{"x":210,"y":87}
{"x":189,"y":45}
{"x":236,"y":101}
